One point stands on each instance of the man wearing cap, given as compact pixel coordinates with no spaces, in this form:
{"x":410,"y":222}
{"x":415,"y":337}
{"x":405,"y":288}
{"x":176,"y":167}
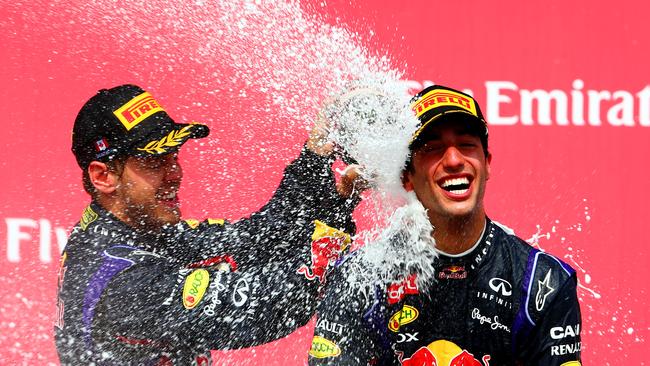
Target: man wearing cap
{"x":495,"y":300}
{"x":137,"y":286}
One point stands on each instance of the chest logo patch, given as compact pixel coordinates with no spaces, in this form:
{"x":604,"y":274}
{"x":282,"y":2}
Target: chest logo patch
{"x":408,"y":314}
{"x":323,"y":347}
{"x":194,"y":289}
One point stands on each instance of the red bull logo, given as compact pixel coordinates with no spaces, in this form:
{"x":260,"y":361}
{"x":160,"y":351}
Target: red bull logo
{"x":444,"y":353}
{"x":452,"y":273}
{"x":326,"y":247}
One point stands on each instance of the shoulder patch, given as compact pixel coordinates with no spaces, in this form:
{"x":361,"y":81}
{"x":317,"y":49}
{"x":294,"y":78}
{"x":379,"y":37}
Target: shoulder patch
{"x":216,"y":221}
{"x":87,"y":218}
{"x":194,"y":289}
{"x":546,"y":274}
{"x":192,"y":223}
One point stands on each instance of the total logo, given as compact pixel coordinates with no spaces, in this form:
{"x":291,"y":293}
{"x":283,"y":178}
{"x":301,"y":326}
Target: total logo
{"x":444,"y":353}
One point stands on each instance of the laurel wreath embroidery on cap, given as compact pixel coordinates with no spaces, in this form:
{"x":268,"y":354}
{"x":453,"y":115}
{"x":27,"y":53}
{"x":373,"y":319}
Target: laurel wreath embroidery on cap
{"x":173,"y":139}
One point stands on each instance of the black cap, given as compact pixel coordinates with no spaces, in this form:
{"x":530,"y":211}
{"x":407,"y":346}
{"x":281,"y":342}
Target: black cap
{"x":438,"y":103}
{"x":127,"y":121}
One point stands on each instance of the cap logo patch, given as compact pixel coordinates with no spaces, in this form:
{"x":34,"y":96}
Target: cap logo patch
{"x":169,"y":141}
{"x":442,"y":98}
{"x":137,"y":109}
{"x":101,"y":145}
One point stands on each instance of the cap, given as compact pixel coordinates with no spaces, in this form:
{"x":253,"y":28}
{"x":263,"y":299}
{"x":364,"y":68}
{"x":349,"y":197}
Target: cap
{"x":127,"y":121}
{"x":437,"y":103}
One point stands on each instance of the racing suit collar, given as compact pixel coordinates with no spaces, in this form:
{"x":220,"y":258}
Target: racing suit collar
{"x":468,"y":251}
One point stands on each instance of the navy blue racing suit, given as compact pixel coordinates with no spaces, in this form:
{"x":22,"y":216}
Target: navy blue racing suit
{"x":135,"y":298}
{"x":502,"y":303}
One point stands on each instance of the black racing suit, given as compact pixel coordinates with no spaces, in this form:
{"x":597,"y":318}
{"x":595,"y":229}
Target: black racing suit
{"x":503,"y":303}
{"x":132,"y":298}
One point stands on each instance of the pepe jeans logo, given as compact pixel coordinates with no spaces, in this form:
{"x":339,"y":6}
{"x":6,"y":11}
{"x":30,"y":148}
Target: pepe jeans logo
{"x":136,"y":110}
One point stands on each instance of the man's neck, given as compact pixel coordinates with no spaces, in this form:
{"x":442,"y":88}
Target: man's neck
{"x":458,"y":235}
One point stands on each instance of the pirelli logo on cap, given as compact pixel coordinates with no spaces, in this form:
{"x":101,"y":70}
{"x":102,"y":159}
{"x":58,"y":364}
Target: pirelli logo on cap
{"x":137,"y":109}
{"x":443,"y":98}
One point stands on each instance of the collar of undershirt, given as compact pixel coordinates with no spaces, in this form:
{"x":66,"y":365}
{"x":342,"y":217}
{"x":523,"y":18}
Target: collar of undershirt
{"x":468,"y":251}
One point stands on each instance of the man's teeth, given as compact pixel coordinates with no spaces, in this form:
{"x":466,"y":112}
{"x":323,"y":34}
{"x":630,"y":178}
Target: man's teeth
{"x":456,"y":185}
{"x":169,"y":196}
{"x":455,"y":182}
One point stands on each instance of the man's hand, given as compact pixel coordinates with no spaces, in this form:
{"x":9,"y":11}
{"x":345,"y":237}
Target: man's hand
{"x":319,"y":136}
{"x":352,"y":181}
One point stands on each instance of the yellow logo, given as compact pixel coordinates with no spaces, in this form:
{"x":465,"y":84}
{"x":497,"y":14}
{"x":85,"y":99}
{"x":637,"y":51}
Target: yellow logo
{"x":192,"y":223}
{"x":322,"y":347}
{"x":194,"y":289}
{"x":216,"y":221}
{"x":137,"y":109}
{"x":171,"y":140}
{"x":87,"y":217}
{"x":572,"y":363}
{"x":322,"y":230}
{"x":407,"y":315}
{"x":441,"y":98}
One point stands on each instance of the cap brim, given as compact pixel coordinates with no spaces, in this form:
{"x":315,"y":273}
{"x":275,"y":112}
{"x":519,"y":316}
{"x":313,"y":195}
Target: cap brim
{"x":420,"y":135}
{"x":170,"y":141}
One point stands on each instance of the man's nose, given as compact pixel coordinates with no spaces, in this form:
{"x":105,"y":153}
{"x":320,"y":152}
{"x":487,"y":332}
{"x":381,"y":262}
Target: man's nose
{"x":453,"y":159}
{"x":174,"y":170}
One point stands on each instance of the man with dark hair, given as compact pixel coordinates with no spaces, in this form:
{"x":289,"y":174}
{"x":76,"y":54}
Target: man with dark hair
{"x":138,"y":286}
{"x":495,"y":300}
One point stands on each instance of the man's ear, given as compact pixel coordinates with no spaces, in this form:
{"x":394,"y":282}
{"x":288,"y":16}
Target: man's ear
{"x":406,"y":181}
{"x":488,"y":161}
{"x":101,"y":177}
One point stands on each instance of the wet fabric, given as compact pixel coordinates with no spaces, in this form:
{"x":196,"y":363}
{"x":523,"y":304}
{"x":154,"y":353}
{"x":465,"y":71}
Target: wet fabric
{"x":504,"y":303}
{"x":132,"y":298}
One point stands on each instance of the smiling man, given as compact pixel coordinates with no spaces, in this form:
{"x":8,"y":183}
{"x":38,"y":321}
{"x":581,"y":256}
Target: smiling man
{"x":495,"y":299}
{"x":138,"y":286}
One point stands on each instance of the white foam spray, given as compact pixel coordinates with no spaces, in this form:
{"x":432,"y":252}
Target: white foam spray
{"x":373,"y":124}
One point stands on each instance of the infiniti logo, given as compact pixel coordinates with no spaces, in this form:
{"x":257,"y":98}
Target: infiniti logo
{"x":240,"y":293}
{"x":501,"y":286}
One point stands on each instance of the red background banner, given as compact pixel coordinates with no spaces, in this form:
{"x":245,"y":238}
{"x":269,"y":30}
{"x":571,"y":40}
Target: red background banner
{"x":561,"y":83}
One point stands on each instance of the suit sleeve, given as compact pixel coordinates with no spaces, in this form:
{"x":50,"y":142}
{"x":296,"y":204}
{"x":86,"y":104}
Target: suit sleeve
{"x":284,"y":225}
{"x":555,"y":340}
{"x":151,"y":300}
{"x":344,"y":332}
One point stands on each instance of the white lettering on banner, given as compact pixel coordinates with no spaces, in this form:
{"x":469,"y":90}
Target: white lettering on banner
{"x":619,"y":106}
{"x":565,"y":349}
{"x":494,"y":98}
{"x":22,"y":230}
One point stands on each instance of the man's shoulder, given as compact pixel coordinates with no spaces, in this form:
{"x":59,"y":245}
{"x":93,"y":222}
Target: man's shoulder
{"x":96,"y":231}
